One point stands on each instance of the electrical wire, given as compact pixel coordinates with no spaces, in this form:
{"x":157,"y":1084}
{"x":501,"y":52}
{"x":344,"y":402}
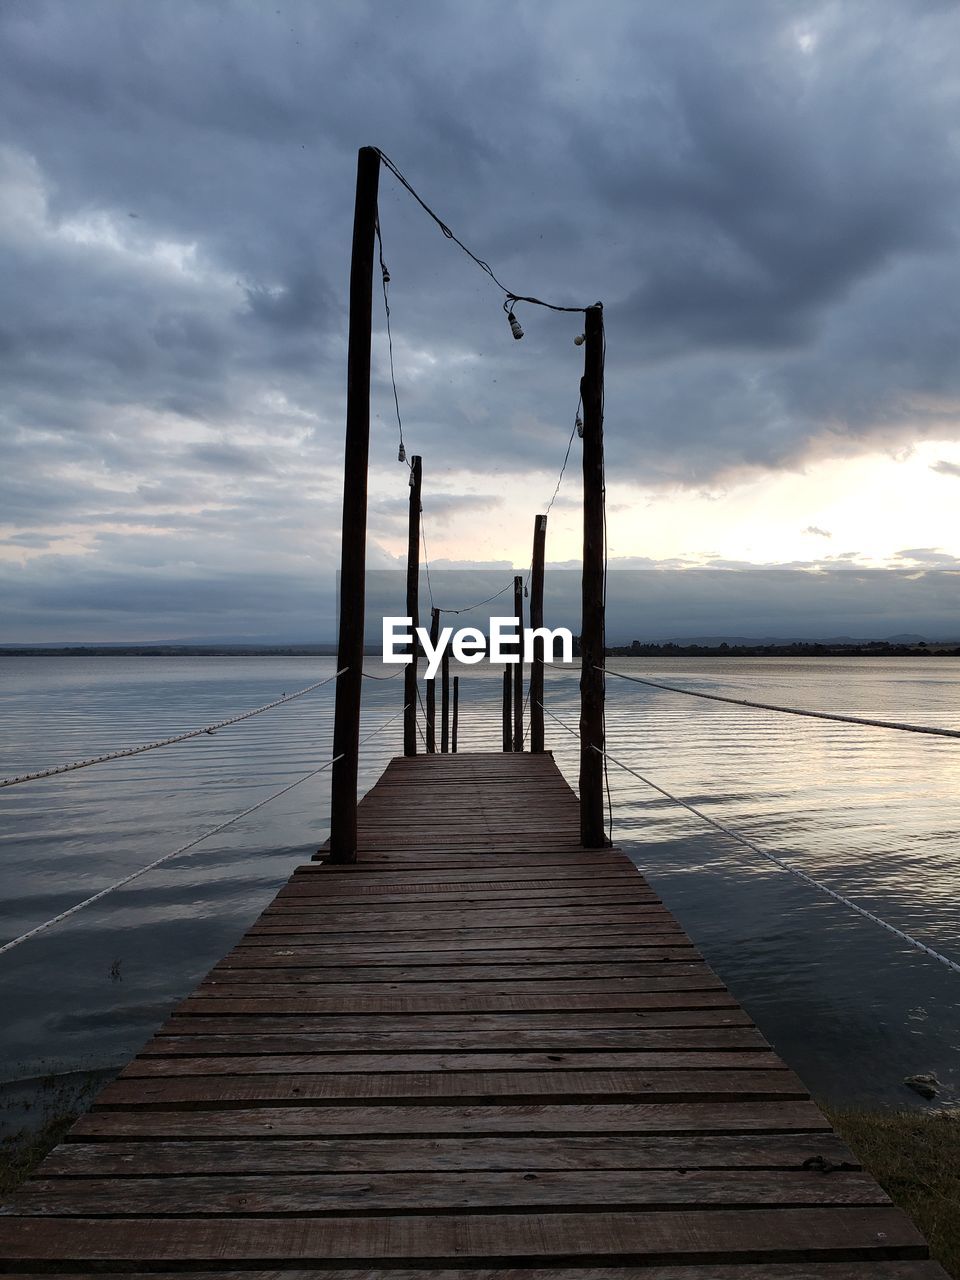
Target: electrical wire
{"x":385,"y":280}
{"x":511,"y":296}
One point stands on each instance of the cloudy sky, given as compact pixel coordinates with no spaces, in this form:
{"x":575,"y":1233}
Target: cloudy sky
{"x":764,"y":195}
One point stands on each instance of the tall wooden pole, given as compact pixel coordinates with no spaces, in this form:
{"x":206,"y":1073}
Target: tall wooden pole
{"x":432,"y":687}
{"x":592,"y":598}
{"x":518,"y":669}
{"x":507,"y":726}
{"x":456,"y":714}
{"x":346,"y":722}
{"x":413,"y":608}
{"x":536,"y":620}
{"x":445,"y":703}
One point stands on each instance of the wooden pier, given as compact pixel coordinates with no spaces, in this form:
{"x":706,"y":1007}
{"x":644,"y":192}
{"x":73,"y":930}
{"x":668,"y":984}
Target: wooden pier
{"x":481,"y":1051}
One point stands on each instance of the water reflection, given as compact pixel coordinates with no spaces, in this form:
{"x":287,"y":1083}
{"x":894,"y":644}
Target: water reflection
{"x":871,"y":812}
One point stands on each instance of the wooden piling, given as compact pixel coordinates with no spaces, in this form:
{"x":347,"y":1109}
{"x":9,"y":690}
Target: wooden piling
{"x":346,"y":724}
{"x":432,"y":687}
{"x":445,"y":703}
{"x":507,"y":714}
{"x":536,"y":620}
{"x":592,"y":592}
{"x":456,"y":714}
{"x":518,"y":668}
{"x":413,"y":608}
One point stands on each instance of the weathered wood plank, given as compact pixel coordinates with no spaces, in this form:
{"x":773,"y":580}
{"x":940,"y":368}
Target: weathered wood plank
{"x":260,"y":1063}
{"x":874,"y":1270}
{"x":442,"y":1002}
{"x":371,"y":1046}
{"x":334,"y":1193}
{"x":682,"y":1236}
{"x":441,"y":1119}
{"x":462,"y":1153}
{"x":466,"y":1087}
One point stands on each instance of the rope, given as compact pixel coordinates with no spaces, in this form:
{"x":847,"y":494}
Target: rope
{"x":383,"y":726}
{"x":484,"y":266}
{"x":367,"y":675}
{"x":118,"y":884}
{"x":191,"y":844}
{"x":795,"y":711}
{"x":166,"y":742}
{"x":777,"y":862}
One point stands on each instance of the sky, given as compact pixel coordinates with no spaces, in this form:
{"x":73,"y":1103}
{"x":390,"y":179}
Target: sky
{"x":764,"y":195}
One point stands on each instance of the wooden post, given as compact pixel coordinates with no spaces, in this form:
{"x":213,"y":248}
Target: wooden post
{"x":507,"y":717}
{"x":456,"y":714}
{"x":536,"y":620}
{"x":445,"y":702}
{"x":413,"y":608}
{"x":432,"y":687}
{"x":592,"y":592}
{"x":518,"y":669}
{"x":346,"y":722}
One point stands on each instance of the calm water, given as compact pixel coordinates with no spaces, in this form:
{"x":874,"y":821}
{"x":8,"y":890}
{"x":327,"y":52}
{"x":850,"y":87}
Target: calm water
{"x":874,"y":813}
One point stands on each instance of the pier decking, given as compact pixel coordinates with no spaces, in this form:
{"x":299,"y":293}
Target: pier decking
{"x":480,"y":1052}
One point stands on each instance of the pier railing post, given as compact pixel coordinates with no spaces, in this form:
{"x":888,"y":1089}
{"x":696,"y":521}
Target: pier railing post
{"x":518,"y":669}
{"x":456,"y":714}
{"x":507,"y":714}
{"x":346,"y":723}
{"x":413,"y":608}
{"x":536,"y":620}
{"x":592,"y":646}
{"x":445,"y":703}
{"x":432,"y":687}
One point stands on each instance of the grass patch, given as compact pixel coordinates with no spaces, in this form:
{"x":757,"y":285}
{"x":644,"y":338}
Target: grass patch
{"x":20,"y":1153}
{"x":35,"y":1115}
{"x":915,"y":1156}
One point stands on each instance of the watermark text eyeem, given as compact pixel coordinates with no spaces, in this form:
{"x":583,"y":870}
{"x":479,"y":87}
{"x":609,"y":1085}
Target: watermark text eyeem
{"x":470,"y":645}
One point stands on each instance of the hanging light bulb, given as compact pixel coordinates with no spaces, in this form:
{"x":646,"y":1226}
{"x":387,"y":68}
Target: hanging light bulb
{"x":526,"y":593}
{"x":580,"y":339}
{"x":514,"y":325}
{"x":386,"y":274}
{"x":401,"y":453}
{"x":579,"y":426}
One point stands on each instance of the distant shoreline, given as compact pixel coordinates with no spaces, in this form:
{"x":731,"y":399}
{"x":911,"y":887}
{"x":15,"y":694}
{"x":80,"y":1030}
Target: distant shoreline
{"x":800,"y":649}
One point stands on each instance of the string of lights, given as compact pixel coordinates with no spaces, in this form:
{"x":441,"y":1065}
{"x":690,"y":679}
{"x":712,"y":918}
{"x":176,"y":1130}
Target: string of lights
{"x":510,"y":296}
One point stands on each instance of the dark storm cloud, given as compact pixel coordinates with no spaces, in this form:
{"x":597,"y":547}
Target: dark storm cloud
{"x":764,"y":194}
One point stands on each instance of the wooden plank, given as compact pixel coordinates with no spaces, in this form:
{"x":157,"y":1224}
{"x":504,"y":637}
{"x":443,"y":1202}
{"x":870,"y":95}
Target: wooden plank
{"x":372,"y":1045}
{"x":264,"y":1063}
{"x":686,"y":977}
{"x":458,"y":1024}
{"x":418,"y":1121}
{"x":442,"y":1002}
{"x":470,"y":939}
{"x":572,"y":1152}
{"x":466,"y":1087}
{"x":681,"y":1236}
{"x":874,"y":1270}
{"x":248,"y":965}
{"x":333,"y":1193}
